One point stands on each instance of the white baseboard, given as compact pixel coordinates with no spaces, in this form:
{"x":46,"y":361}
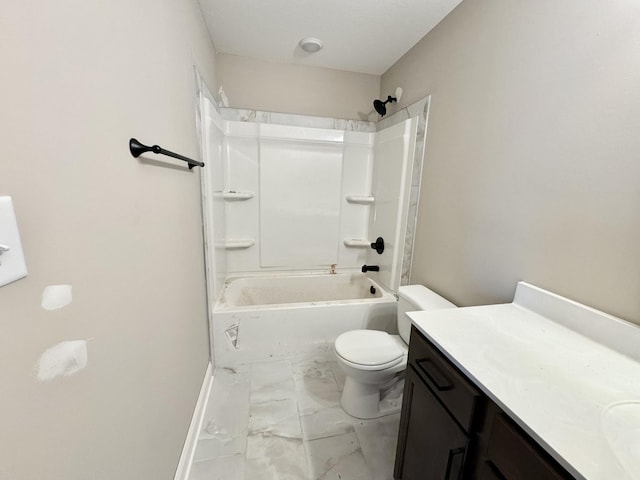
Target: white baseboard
{"x":189,"y":449}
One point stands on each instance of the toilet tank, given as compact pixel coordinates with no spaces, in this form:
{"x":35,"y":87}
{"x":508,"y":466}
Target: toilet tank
{"x":416,"y":297}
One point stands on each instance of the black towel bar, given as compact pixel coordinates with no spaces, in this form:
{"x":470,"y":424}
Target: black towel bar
{"x":137,"y":149}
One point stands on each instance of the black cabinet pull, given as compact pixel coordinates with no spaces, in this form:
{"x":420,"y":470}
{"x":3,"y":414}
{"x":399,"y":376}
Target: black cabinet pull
{"x":453,"y":454}
{"x":435,"y":376}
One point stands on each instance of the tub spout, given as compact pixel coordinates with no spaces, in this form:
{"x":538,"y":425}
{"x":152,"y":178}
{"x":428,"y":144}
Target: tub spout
{"x":370,"y":268}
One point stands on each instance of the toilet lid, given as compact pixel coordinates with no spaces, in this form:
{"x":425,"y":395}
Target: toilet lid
{"x":368,"y":347}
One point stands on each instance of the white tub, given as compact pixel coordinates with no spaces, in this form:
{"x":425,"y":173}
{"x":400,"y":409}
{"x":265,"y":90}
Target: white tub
{"x":263,"y":318}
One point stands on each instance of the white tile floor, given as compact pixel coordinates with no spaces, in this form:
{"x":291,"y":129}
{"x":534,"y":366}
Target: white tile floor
{"x":282,"y":420}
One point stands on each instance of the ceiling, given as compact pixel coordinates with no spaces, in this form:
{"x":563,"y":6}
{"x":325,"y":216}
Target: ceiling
{"x":359,"y":35}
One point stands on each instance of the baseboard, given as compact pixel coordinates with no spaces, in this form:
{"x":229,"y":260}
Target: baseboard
{"x":189,"y":449}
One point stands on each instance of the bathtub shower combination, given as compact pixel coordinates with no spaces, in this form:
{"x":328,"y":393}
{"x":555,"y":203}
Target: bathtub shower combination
{"x":288,"y":198}
{"x":270,"y":317}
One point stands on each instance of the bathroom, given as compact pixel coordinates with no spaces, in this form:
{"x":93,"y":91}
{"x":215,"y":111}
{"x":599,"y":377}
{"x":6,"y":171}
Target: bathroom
{"x":530,"y":173}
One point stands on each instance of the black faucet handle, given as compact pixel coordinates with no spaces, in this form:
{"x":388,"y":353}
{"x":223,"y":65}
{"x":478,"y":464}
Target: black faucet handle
{"x":378,"y":246}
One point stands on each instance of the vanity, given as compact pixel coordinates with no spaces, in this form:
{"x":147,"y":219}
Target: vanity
{"x":543,"y":388}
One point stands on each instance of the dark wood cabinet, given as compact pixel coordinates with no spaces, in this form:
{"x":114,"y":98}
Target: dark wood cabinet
{"x":515,"y":457}
{"x":489,"y":473}
{"x":449,"y":430}
{"x":445,"y":441}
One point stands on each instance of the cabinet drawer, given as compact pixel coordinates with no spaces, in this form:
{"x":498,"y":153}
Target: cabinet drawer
{"x":517,"y":457}
{"x":455,"y":392}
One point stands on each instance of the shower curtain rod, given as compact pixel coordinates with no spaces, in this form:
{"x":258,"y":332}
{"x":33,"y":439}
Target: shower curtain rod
{"x":136,"y":148}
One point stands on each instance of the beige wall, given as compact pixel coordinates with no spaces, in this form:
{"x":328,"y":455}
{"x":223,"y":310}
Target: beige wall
{"x":278,"y":87}
{"x":532,"y":168}
{"x":78,"y":79}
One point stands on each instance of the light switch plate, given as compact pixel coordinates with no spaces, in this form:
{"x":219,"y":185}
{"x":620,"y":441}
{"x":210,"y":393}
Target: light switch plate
{"x":12,"y":263}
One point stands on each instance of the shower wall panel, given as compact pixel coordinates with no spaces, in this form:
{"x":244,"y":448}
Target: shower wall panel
{"x":393,"y":165}
{"x":357,"y":166}
{"x":284,"y":190}
{"x":213,"y":180}
{"x":299,"y":202}
{"x":242,"y":169}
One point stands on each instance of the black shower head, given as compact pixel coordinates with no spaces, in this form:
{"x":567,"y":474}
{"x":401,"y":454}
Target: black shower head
{"x":381,"y":107}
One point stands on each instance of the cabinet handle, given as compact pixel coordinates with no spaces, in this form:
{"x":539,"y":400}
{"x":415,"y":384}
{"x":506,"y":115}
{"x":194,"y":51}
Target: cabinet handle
{"x":439,"y":380}
{"x":456,"y":452}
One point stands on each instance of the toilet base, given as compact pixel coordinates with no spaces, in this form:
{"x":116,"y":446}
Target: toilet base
{"x":368,"y":401}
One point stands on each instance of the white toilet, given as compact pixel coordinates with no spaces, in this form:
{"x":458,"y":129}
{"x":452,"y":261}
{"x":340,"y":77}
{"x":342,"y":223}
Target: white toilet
{"x":374,"y":361}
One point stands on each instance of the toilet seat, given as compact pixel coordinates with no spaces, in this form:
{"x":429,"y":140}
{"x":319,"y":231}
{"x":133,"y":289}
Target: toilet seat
{"x":369,"y":349}
{"x":400,"y":362}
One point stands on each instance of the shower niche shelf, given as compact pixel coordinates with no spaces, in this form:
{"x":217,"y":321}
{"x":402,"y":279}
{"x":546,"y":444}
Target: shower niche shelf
{"x":361,"y":199}
{"x":239,"y":243}
{"x":234,"y":196}
{"x":356,"y":243}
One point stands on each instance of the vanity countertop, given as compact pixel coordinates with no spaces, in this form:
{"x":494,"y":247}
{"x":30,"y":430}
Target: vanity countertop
{"x":569,"y":375}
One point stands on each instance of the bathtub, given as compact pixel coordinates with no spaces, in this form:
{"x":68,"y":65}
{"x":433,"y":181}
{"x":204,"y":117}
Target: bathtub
{"x":270,"y":317}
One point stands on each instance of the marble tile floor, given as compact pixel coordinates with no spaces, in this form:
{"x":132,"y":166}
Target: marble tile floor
{"x":282,"y":420}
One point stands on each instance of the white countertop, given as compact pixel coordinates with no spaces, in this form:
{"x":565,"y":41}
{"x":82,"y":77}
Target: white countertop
{"x":578,"y":397}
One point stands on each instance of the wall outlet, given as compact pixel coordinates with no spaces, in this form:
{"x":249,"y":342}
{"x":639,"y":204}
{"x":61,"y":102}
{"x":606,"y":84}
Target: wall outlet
{"x":12,"y":263}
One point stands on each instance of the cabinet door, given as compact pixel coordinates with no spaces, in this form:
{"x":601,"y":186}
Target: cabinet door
{"x":431,"y":445}
{"x":516,"y":457}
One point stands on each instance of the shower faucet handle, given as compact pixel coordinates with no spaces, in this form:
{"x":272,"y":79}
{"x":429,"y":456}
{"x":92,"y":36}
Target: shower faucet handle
{"x":370,"y":268}
{"x":378,"y":246}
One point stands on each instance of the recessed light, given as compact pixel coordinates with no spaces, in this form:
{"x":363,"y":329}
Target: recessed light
{"x":310,"y":44}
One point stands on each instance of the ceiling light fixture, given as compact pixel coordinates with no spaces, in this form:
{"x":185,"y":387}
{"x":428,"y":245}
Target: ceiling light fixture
{"x":310,"y":44}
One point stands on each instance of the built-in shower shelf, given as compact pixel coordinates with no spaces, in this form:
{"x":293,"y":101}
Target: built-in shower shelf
{"x":232,"y":195}
{"x":356,"y":243}
{"x":239,"y":243}
{"x":361,"y":199}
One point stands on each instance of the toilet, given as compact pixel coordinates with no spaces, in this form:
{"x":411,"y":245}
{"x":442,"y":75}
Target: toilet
{"x":374,"y":361}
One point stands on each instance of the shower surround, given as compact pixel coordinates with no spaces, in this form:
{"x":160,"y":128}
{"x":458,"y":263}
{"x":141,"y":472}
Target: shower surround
{"x":296,"y":196}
